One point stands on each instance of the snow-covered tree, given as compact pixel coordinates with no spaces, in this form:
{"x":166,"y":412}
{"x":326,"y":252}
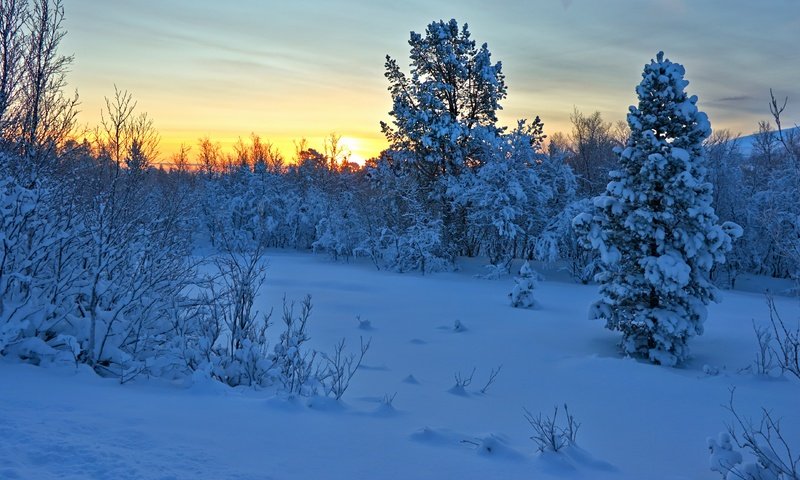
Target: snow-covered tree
{"x":417,"y":246}
{"x":558,"y":241}
{"x":774,"y":210}
{"x":725,"y":162}
{"x":505,"y":195}
{"x":524,"y":285}
{"x":453,"y":88}
{"x":453,"y":91}
{"x":655,"y":228}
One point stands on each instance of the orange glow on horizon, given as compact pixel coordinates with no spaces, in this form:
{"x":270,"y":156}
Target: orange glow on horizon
{"x":358,"y":148}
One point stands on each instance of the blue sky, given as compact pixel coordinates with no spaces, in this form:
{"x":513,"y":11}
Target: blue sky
{"x":305,"y":68}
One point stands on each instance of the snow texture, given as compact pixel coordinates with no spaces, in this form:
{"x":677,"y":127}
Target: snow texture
{"x":66,"y":422}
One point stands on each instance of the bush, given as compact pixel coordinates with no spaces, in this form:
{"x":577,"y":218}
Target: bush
{"x":548,"y":435}
{"x":764,"y":440}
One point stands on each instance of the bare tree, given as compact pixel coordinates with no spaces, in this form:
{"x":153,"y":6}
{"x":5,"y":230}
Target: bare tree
{"x":114,"y":121}
{"x":764,"y":156}
{"x":180,"y":159}
{"x":48,"y":116}
{"x":241,"y":154}
{"x":13,"y":15}
{"x":336,"y":151}
{"x":274,"y":158}
{"x":264,"y":156}
{"x":124,"y":137}
{"x":592,"y":143}
{"x":209,"y":155}
{"x":789,"y":139}
{"x":142,"y":133}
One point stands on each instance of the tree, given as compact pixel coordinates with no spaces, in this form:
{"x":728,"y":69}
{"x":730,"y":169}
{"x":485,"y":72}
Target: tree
{"x":592,"y":143}
{"x":725,"y":160}
{"x":442,"y":112}
{"x":36,"y":118}
{"x":505,"y":199}
{"x":47,"y":115}
{"x":13,"y":15}
{"x":180,"y":159}
{"x":124,"y":137}
{"x":453,"y":88}
{"x":654,"y":227}
{"x":522,"y":294}
{"x":208,"y":156}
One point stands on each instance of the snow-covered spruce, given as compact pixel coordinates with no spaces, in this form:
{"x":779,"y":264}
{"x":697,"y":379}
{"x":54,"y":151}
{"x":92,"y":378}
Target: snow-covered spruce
{"x":654,"y":227}
{"x":722,"y":457}
{"x":524,"y":285}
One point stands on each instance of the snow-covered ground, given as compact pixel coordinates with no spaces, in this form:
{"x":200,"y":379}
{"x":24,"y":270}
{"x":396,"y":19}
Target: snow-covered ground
{"x":638,"y":421}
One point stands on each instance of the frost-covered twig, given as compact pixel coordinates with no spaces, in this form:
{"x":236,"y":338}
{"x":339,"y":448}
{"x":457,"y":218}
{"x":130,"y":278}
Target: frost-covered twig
{"x":787,"y":339}
{"x":340,"y":368}
{"x":775,"y":456}
{"x":492,"y":377}
{"x":462,"y":381}
{"x":765,"y":361}
{"x":548,"y":435}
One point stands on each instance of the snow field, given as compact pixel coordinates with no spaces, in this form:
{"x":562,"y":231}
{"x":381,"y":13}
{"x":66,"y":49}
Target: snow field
{"x":637,"y":420}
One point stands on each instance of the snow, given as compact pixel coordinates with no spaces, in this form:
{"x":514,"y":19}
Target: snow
{"x":723,"y":457}
{"x":637,"y":420}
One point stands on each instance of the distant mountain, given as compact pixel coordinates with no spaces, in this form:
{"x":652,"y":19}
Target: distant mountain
{"x":746,"y":143}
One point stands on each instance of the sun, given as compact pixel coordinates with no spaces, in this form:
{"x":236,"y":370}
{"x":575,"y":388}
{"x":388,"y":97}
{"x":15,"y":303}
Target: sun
{"x":356,"y":149}
{"x":364,"y":147}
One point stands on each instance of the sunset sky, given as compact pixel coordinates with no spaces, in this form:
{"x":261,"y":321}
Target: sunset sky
{"x":305,"y":68}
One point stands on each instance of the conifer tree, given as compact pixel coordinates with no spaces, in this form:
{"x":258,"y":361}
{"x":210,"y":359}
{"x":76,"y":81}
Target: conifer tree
{"x":654,"y":227}
{"x":524,"y":285}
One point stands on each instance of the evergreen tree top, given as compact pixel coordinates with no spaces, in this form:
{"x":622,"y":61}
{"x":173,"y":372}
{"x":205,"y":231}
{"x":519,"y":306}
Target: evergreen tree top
{"x":666,"y":116}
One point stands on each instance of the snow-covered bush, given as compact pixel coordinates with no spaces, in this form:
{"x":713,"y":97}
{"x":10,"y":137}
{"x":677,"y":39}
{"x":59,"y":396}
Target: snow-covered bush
{"x":94,"y":265}
{"x":504,"y":198}
{"x":786,"y":347}
{"x":655,"y":228}
{"x":137,"y":268}
{"x":764,"y":363}
{"x":234,"y":335}
{"x":21,"y":223}
{"x":342,"y":231}
{"x":340,"y":367}
{"x":524,"y":285}
{"x":559,"y":241}
{"x":722,"y":456}
{"x":292,"y":358}
{"x":549,"y":434}
{"x":462,"y":382}
{"x":770,"y":447}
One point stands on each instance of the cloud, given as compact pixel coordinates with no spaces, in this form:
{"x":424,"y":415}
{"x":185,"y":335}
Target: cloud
{"x":735,"y":98}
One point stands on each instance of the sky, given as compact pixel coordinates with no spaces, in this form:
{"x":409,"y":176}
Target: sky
{"x":307,"y":68}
